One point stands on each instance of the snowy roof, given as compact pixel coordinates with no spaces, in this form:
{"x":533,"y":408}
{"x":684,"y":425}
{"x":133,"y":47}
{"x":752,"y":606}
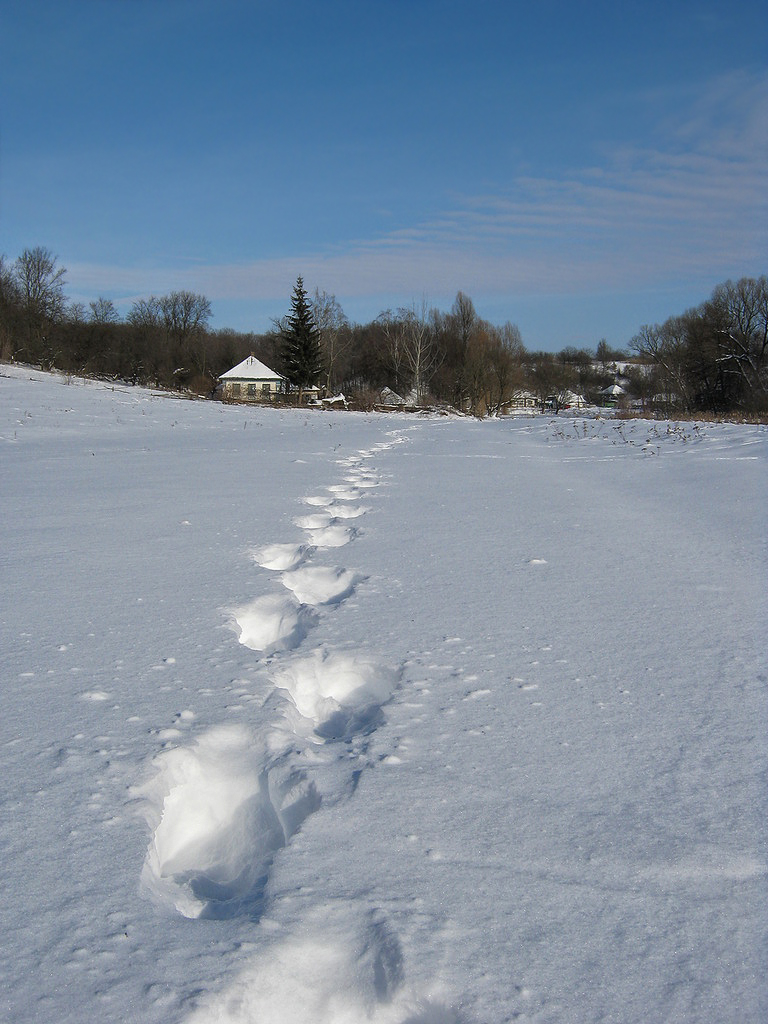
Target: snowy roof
{"x":250,"y":369}
{"x":390,"y":397}
{"x":613,"y":389}
{"x":572,"y":397}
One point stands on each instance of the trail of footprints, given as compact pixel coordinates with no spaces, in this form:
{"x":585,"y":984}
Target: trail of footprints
{"x":221,"y":808}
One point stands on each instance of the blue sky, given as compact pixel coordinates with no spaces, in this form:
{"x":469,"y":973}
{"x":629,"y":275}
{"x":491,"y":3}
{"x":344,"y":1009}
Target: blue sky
{"x":578,"y":169}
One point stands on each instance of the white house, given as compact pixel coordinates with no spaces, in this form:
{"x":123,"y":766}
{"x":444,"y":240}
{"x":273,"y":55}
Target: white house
{"x":252,"y":381}
{"x":566,"y":400}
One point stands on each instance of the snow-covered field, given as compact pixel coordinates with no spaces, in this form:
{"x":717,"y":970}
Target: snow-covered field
{"x":333,"y":718}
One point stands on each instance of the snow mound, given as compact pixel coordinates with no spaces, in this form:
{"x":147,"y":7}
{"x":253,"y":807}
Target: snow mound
{"x":316,"y":521}
{"x":343,"y":492}
{"x":273,"y":622}
{"x":336,"y":969}
{"x":339,"y":692}
{"x":315,"y":585}
{"x":365,"y":482}
{"x":219,"y":814}
{"x":281,"y":557}
{"x":342,"y":511}
{"x":334,"y":536}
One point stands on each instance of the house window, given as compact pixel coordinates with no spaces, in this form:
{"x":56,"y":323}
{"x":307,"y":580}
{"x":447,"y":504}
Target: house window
{"x":265,"y":388}
{"x":251,"y":390}
{"x":235,"y":390}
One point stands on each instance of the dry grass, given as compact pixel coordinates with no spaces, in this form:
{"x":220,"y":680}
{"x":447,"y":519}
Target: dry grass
{"x":693,"y":417}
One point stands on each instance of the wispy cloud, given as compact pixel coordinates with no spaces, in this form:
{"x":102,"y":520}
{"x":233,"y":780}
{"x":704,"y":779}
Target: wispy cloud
{"x":692,"y":207}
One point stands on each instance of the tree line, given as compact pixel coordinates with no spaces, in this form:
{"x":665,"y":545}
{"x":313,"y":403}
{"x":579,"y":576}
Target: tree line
{"x":713,"y":358}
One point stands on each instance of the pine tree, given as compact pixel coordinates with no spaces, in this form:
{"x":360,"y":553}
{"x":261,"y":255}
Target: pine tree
{"x":302,"y":356}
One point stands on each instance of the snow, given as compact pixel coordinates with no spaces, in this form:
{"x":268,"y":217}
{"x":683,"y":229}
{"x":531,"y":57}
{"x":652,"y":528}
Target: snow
{"x":329,"y":717}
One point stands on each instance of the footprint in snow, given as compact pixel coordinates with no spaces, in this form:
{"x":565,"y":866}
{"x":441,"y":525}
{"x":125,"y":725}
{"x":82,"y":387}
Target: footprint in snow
{"x":343,"y":492}
{"x":336,"y":535}
{"x":364,"y":482}
{"x":338,"y":965}
{"x":316,"y":521}
{"x":219,"y":810}
{"x":272,"y":623}
{"x":344,"y":511}
{"x":281,"y":557}
{"x":340,"y":693}
{"x":315,"y":585}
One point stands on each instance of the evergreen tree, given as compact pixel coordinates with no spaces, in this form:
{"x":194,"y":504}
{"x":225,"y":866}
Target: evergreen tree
{"x":302,"y":355}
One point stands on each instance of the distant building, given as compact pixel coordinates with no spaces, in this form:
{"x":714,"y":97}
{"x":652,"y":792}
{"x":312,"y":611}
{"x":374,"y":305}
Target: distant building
{"x":565,"y":400}
{"x":612,"y":395}
{"x":252,"y":381}
{"x":522,"y":401}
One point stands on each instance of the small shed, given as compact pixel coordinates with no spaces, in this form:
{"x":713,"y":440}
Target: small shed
{"x":252,"y":381}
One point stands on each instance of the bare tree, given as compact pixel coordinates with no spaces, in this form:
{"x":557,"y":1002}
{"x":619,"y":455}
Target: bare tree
{"x":394,"y":332}
{"x":148,"y":343}
{"x":739,"y":313}
{"x":666,"y":346}
{"x":464,"y":317}
{"x":335,"y":337}
{"x":10,"y":310}
{"x":41,"y":282}
{"x":103,"y":312}
{"x":74,"y":314}
{"x":185,"y":317}
{"x":504,"y":355}
{"x":420,"y":352}
{"x":145,"y":314}
{"x":549,"y":379}
{"x":184,"y":314}
{"x":9,"y":291}
{"x":463,"y":321}
{"x":41,"y":288}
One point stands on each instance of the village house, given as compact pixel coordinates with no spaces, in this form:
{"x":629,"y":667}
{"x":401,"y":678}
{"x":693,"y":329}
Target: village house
{"x":522,"y":401}
{"x":252,"y":381}
{"x":612,"y":395}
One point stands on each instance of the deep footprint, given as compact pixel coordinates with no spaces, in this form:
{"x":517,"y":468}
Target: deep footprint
{"x":317,"y":585}
{"x":339,"y":692}
{"x":336,"y":535}
{"x":219,"y":812}
{"x":281,"y":556}
{"x":272,"y":623}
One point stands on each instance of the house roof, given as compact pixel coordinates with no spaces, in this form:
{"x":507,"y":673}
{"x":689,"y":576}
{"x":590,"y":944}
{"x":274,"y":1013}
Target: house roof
{"x":251,"y":368}
{"x":390,"y":397}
